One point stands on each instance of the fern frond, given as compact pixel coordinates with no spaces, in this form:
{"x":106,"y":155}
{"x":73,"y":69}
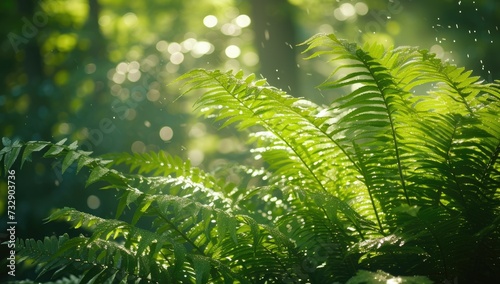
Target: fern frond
{"x":294,"y":141}
{"x":97,"y":260}
{"x":368,"y":122}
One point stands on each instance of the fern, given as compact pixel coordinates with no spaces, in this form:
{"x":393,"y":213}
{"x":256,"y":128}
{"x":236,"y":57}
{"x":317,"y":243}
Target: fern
{"x":398,"y":176}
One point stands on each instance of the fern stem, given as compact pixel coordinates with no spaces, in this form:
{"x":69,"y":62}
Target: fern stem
{"x":271,"y":128}
{"x":448,"y":162}
{"x":372,"y":201}
{"x":181,"y":234}
{"x":489,"y":167}
{"x":393,"y":129}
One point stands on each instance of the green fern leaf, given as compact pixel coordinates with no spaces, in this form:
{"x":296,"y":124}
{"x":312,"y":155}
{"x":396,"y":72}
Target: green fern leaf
{"x":202,"y":268}
{"x":32,"y":147}
{"x":96,"y":174}
{"x":10,"y":153}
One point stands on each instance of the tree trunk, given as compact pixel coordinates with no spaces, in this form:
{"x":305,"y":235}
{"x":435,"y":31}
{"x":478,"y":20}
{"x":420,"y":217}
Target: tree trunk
{"x":275,"y":41}
{"x":33,"y":67}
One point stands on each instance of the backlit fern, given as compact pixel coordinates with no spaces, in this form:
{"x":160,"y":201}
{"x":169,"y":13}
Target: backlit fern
{"x":398,"y":175}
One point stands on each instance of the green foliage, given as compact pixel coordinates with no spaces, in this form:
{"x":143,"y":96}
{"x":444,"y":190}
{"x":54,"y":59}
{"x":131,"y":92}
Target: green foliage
{"x":399,"y":175}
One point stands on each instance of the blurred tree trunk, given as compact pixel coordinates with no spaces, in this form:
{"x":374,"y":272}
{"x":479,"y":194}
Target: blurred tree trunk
{"x":97,"y":52}
{"x":33,"y":67}
{"x":98,"y":47}
{"x":275,"y":41}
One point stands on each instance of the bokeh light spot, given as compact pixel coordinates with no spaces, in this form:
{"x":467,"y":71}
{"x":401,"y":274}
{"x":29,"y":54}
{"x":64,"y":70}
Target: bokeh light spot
{"x":174,"y":47}
{"x":134,"y":75}
{"x":161,"y":46}
{"x":63,"y":129}
{"x":188,"y":44}
{"x":361,"y":8}
{"x":131,"y":114}
{"x":166,"y":133}
{"x":121,"y":68}
{"x":177,"y":58}
{"x":210,"y":21}
{"x":90,"y":68}
{"x":337,"y":13}
{"x":104,"y":20}
{"x":118,"y":78}
{"x":153,"y":95}
{"x":438,"y":50}
{"x":138,"y":147}
{"x":130,"y":19}
{"x":196,"y":157}
{"x":243,"y":21}
{"x":250,"y":58}
{"x":230,"y":29}
{"x":347,"y":9}
{"x":132,"y":66}
{"x":232,"y":51}
{"x":93,"y":202}
{"x":201,"y":48}
{"x":326,"y":28}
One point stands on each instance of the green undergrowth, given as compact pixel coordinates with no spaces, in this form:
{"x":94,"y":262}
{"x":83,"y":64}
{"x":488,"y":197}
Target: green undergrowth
{"x":395,"y":180}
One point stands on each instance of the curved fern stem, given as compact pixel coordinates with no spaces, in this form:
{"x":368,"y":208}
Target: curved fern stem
{"x":364,"y":173}
{"x":382,"y":90}
{"x":167,"y":220}
{"x":272,"y":129}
